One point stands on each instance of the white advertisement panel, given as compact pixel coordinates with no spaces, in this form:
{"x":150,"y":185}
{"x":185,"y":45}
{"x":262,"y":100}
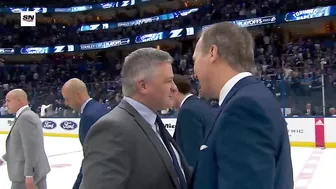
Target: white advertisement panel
{"x":301,"y":129}
{"x":50,"y":125}
{"x":69,"y":125}
{"x":330,"y":130}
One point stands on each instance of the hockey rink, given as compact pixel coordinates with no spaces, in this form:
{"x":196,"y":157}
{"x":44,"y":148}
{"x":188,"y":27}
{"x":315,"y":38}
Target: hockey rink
{"x":314,"y":168}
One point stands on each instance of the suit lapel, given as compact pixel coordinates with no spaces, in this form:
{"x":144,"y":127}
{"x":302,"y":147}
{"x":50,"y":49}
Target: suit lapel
{"x":241,"y":83}
{"x":146,"y":127}
{"x":15,"y":120}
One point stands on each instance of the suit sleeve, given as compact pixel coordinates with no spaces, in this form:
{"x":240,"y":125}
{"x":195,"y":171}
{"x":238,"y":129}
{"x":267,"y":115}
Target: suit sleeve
{"x":87,"y":123}
{"x":191,"y":134}
{"x":245,"y":149}
{"x":29,"y":138}
{"x":106,"y":161}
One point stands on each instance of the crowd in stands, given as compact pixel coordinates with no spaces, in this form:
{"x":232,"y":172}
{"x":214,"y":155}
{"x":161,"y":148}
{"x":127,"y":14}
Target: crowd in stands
{"x":290,"y":69}
{"x":50,"y":3}
{"x":57,"y":34}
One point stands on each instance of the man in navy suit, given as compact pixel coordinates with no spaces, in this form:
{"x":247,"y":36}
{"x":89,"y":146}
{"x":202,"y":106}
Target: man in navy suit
{"x":248,"y":144}
{"x":76,"y":96}
{"x":194,"y":118}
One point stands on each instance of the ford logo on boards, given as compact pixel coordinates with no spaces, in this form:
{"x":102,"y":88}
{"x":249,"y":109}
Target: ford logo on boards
{"x":48,"y":124}
{"x":68,"y":125}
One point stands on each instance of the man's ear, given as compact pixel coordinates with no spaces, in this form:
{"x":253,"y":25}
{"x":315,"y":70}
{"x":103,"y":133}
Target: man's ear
{"x":141,"y":86}
{"x":213,"y":54}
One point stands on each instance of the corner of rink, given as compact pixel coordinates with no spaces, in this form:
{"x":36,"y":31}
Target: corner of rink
{"x":303,"y":132}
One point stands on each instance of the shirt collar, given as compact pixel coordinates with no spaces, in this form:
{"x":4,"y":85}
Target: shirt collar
{"x":85,"y":103}
{"x":144,"y":111}
{"x":185,"y":98}
{"x":20,"y":110}
{"x":230,"y":84}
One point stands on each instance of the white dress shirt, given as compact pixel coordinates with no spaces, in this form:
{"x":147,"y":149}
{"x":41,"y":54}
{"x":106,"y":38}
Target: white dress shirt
{"x":20,"y":110}
{"x":185,"y":98}
{"x":230,"y":84}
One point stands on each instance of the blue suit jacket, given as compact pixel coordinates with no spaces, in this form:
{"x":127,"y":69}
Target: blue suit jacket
{"x":248,"y":145}
{"x":91,"y":113}
{"x":193,"y":121}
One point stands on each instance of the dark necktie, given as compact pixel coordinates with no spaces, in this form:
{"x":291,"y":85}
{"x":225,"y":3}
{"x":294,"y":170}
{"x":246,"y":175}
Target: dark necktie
{"x":166,"y":141}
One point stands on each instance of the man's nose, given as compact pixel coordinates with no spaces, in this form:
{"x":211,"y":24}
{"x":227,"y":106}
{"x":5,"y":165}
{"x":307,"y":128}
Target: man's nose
{"x":174,"y":88}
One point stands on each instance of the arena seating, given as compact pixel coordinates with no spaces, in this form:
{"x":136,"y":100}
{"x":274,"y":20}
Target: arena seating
{"x":290,"y":68}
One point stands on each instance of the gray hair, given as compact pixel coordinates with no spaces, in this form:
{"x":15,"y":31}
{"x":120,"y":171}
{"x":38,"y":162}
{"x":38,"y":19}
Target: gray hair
{"x":141,"y":64}
{"x":235,"y":45}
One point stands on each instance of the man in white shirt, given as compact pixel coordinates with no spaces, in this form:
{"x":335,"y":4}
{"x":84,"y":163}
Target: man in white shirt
{"x":3,"y":110}
{"x":27,"y":162}
{"x":248,"y":145}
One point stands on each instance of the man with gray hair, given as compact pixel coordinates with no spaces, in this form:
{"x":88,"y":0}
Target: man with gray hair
{"x":129,"y":148}
{"x":248,"y":146}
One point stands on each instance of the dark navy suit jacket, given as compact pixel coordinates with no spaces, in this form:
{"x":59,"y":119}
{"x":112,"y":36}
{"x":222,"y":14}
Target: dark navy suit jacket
{"x":193,"y":121}
{"x":248,"y":145}
{"x":93,"y":111}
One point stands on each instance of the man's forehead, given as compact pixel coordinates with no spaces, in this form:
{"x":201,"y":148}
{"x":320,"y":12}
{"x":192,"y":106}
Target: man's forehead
{"x":198,"y":46}
{"x":9,"y":95}
{"x":199,"y":42}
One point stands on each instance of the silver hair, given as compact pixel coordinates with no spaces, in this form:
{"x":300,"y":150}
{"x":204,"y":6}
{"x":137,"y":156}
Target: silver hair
{"x":235,"y":45}
{"x":141,"y":64}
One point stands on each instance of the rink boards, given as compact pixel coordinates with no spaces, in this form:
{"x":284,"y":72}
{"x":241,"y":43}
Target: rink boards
{"x":303,"y":132}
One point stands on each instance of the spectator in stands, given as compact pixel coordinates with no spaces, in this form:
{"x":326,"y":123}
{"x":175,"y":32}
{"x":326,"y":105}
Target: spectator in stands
{"x":272,"y":53}
{"x":332,"y":112}
{"x":309,"y":111}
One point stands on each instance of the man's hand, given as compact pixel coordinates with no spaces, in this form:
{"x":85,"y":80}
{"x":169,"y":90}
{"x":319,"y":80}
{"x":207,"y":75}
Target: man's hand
{"x":1,"y":162}
{"x":30,"y":183}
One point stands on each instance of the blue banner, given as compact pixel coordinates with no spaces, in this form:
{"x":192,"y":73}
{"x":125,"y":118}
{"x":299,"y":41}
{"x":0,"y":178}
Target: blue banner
{"x":317,"y":12}
{"x":168,"y":16}
{"x":115,"y":4}
{"x":255,"y":21}
{"x":172,"y":34}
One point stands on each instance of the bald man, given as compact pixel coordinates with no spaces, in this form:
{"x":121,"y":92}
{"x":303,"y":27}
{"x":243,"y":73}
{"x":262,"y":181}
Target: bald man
{"x":76,"y":96}
{"x":27,"y":162}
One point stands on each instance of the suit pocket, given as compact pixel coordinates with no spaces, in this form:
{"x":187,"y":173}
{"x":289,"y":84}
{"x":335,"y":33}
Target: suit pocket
{"x":16,"y":171}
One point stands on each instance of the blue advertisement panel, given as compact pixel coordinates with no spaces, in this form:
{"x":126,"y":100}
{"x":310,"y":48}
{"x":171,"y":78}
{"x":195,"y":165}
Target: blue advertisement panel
{"x":100,"y":6}
{"x":317,"y":12}
{"x":168,"y":16}
{"x":172,"y":34}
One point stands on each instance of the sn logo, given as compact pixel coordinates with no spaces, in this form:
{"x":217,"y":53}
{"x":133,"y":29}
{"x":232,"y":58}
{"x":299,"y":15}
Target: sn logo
{"x":28,"y":18}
